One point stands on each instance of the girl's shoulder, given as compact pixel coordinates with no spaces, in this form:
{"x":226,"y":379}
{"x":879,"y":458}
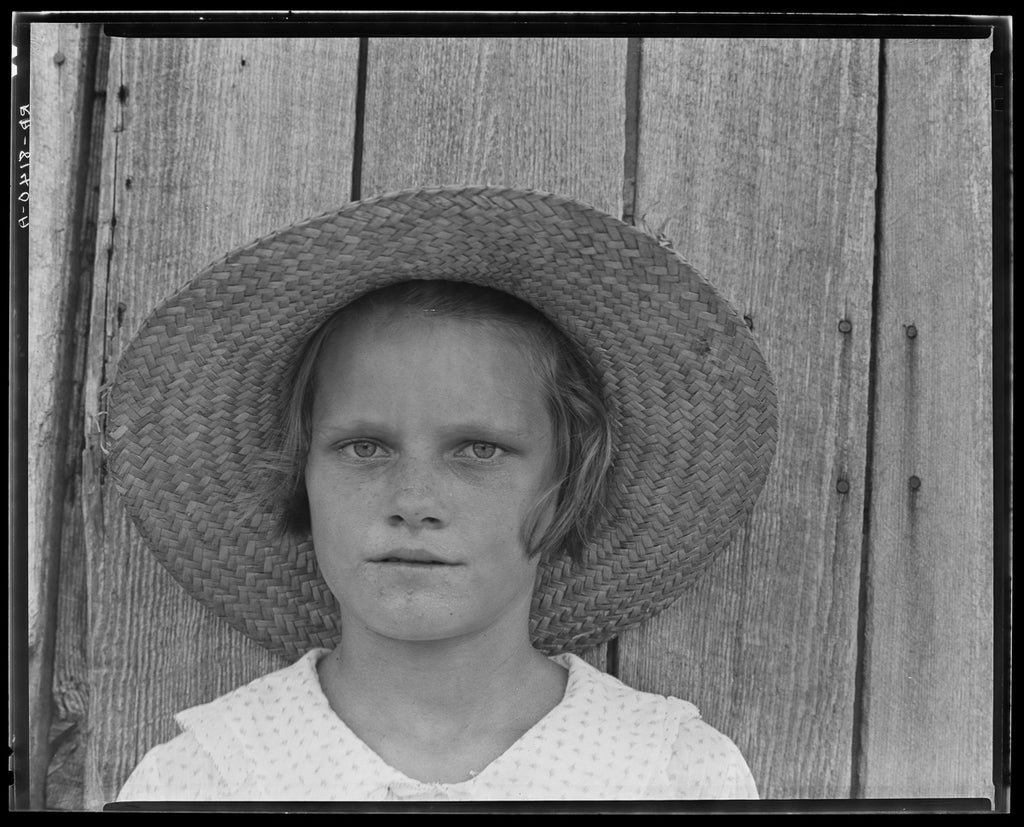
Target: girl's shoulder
{"x":683,"y":756}
{"x":178,"y":770}
{"x":213,"y":754}
{"x":607,"y":695}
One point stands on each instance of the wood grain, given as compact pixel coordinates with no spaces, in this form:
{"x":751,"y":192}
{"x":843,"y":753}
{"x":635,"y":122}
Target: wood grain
{"x":535,"y":114}
{"x":757,"y":160}
{"x":928,"y":669}
{"x":543,"y":114}
{"x":208,"y":144}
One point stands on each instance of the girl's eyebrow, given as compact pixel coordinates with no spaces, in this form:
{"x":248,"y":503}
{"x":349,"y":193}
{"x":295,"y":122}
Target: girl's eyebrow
{"x":351,"y":426}
{"x":485,"y":429}
{"x":466,"y":429}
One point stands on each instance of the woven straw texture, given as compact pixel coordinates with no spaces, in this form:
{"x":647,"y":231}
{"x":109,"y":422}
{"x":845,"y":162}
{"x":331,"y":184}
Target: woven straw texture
{"x":192,"y":410}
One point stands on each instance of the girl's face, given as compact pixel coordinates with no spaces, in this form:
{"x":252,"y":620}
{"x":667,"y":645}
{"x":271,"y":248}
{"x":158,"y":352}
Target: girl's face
{"x":430,"y":442}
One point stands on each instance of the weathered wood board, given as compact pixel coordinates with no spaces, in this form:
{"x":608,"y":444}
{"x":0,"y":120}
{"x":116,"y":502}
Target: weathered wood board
{"x":928,"y":668}
{"x":757,"y":161}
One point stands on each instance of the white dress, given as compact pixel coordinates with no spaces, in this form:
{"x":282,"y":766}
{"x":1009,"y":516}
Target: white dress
{"x":277,"y":739}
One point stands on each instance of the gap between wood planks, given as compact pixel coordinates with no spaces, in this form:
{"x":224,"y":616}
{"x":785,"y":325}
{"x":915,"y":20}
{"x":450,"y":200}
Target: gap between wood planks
{"x":360,"y":104}
{"x":630,"y":164}
{"x":864,"y":597}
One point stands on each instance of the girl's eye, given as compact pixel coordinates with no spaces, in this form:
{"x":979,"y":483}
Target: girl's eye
{"x":361,"y":449}
{"x":482,"y":450}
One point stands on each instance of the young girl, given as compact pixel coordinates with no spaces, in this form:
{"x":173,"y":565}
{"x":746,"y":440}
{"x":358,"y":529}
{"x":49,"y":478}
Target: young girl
{"x":482,"y":428}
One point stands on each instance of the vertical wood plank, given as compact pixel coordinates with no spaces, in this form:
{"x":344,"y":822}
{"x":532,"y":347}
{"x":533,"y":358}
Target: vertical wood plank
{"x":928,"y":667}
{"x":757,"y":159}
{"x":536,"y":114}
{"x":545,"y":114}
{"x":208,"y":143}
{"x":62,"y":76}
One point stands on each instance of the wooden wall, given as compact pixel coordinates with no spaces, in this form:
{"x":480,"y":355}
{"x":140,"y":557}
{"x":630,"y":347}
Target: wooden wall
{"x":838,"y":191}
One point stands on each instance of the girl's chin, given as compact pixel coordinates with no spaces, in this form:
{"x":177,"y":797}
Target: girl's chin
{"x":437,"y":625}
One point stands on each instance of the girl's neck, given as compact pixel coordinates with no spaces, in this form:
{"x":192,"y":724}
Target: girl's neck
{"x":439,"y":710}
{"x":460,"y":675}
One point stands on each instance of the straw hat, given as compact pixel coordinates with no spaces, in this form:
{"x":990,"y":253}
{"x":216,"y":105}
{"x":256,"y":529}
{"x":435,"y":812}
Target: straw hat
{"x":192,"y":407}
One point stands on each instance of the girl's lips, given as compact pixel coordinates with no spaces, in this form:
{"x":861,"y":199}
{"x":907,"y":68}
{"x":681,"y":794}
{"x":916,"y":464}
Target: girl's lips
{"x":414,"y":557}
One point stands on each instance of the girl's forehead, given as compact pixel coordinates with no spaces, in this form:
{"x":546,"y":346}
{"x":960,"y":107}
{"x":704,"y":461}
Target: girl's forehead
{"x":417,"y":360}
{"x":409,"y":330}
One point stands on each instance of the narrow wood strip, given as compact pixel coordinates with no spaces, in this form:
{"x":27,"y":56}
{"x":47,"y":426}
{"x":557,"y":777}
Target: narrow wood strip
{"x":64,"y":58}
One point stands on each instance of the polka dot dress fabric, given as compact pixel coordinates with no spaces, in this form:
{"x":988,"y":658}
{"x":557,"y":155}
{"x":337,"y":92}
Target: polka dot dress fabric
{"x":277,"y":739}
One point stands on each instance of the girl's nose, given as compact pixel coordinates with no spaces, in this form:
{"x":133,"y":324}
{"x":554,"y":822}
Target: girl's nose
{"x":416,"y":501}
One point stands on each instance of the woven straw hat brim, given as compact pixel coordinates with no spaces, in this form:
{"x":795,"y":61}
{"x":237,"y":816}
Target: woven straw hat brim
{"x":192,"y":409}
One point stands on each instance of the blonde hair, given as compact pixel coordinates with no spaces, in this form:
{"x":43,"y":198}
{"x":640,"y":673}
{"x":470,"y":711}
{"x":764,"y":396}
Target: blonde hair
{"x":580,"y":418}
